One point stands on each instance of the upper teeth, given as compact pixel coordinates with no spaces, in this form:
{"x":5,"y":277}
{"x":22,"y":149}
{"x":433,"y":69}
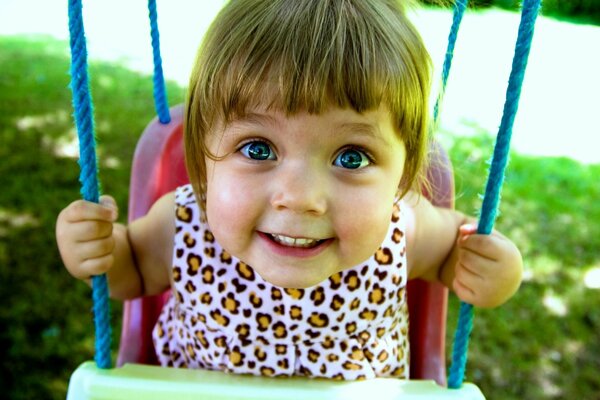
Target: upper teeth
{"x":294,"y":242}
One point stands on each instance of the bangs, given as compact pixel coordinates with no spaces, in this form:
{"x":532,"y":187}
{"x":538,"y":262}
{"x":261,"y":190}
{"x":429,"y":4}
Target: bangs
{"x":309,"y":55}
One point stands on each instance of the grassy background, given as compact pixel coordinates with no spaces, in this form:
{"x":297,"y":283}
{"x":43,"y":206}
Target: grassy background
{"x":544,"y":343}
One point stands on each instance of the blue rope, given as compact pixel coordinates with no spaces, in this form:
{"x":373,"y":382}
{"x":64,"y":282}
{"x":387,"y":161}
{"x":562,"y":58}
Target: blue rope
{"x":160,"y":92}
{"x":84,"y":121}
{"x":459,"y":12}
{"x":491,"y":198}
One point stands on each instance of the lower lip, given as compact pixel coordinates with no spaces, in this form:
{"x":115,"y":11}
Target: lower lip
{"x":297,"y":252}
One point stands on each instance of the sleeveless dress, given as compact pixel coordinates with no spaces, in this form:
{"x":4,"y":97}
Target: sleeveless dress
{"x":224,"y":316}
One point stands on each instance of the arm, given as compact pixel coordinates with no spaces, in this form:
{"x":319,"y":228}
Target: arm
{"x":136,"y":258}
{"x":442,"y":245}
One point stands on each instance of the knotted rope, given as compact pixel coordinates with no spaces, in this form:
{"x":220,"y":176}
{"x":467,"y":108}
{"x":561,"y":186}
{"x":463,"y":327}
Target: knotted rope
{"x":491,"y":199}
{"x":459,"y":11}
{"x":160,"y":92}
{"x":84,"y":121}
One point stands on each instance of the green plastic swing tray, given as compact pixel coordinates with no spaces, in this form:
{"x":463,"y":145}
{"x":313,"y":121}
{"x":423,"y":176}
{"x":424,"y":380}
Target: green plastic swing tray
{"x":134,"y":381}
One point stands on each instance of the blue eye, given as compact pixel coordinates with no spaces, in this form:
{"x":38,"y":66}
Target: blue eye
{"x":258,"y":150}
{"x":352,"y":159}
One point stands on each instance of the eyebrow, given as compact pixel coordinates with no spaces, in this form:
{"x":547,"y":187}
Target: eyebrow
{"x":365,"y":129}
{"x":256,"y":119}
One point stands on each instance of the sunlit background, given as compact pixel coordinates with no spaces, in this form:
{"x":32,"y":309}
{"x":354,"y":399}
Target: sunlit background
{"x":545,"y":342}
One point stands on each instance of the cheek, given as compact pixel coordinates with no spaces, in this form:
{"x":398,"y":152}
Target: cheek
{"x":232,"y":209}
{"x":363,"y":225}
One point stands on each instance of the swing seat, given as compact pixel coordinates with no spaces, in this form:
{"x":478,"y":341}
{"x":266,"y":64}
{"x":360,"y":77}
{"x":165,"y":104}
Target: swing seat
{"x":158,"y":168}
{"x":136,"y":381}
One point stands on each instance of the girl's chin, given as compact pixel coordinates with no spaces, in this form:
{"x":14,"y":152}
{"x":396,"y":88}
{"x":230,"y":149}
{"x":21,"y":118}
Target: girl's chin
{"x":291,"y":280}
{"x":287,"y":276}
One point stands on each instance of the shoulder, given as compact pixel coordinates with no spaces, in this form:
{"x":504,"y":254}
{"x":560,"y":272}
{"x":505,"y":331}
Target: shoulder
{"x":414,"y":208}
{"x":160,"y":214}
{"x":430,"y":235}
{"x":164,"y":207}
{"x":151,"y":238}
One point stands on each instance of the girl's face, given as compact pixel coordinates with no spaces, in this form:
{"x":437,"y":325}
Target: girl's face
{"x":303,"y":197}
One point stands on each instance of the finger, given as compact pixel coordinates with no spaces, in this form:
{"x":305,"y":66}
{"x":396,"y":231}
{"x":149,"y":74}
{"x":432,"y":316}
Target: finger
{"x":463,"y":292}
{"x":90,"y":230}
{"x":468,"y":274}
{"x":467,"y":229}
{"x":95,"y":248}
{"x":96,"y":266}
{"x":475,"y":262}
{"x":109,"y":202}
{"x":82,"y":210}
{"x":487,"y":246}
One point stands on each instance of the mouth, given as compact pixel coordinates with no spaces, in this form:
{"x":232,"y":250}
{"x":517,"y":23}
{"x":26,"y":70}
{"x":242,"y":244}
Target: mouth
{"x":296,"y":247}
{"x":305,"y":243}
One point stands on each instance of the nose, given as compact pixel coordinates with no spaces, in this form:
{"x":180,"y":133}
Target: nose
{"x":301,"y":189}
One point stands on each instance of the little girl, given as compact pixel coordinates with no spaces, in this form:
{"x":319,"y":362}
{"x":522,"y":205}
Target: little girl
{"x":305,"y":139}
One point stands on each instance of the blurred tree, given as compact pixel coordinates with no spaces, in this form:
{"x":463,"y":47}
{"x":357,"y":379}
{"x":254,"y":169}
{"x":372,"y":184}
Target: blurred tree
{"x":586,"y":10}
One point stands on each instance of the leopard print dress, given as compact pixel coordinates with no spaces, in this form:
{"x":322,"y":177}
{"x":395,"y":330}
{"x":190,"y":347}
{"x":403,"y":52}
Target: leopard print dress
{"x":224,"y":316}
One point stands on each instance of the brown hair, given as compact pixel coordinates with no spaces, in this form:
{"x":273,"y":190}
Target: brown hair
{"x":305,"y":55}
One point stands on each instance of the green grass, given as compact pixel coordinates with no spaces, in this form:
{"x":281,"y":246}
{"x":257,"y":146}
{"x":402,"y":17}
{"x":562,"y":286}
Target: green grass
{"x":523,"y":350}
{"x":46,"y":318}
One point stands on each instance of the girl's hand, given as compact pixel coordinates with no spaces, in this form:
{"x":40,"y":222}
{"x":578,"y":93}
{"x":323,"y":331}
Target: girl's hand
{"x":84,"y":233}
{"x":488,"y":268}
